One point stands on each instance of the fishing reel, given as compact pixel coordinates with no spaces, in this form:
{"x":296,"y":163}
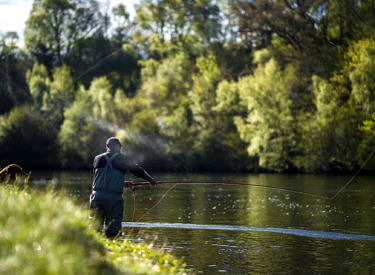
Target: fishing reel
{"x":131,"y":185}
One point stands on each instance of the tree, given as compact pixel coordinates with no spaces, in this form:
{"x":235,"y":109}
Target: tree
{"x":268,"y":128}
{"x":203,"y":94}
{"x":54,"y":28}
{"x":160,"y":122}
{"x":123,"y":26}
{"x":208,"y":152}
{"x":339,"y":132}
{"x":228,"y":106}
{"x":314,"y":33}
{"x":51,"y":96}
{"x":60,"y":95}
{"x":359,"y":70}
{"x":361,"y":75}
{"x":176,"y":20}
{"x":330,"y":142}
{"x":39,"y":84}
{"x":27,"y":139}
{"x":13,"y":65}
{"x":87,"y":124}
{"x":165,"y":82}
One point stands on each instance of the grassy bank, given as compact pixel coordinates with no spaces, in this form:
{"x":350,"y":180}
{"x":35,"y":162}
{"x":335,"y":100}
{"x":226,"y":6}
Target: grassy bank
{"x":46,"y":233}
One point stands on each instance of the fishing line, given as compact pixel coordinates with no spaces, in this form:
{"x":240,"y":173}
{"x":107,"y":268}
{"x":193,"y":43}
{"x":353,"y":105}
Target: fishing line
{"x":97,"y":64}
{"x":158,"y":202}
{"x":214,"y":183}
{"x":244,"y":184}
{"x":353,"y":177}
{"x":133,"y":207}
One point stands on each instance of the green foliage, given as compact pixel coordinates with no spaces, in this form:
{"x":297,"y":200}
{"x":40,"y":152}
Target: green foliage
{"x":235,"y":156}
{"x":203,"y":94}
{"x":360,"y":68}
{"x":161,"y":111}
{"x":338,"y":138}
{"x":13,"y":64}
{"x":228,"y":98}
{"x":368,"y":143}
{"x":165,"y":82}
{"x":127,"y":256}
{"x":51,"y":96}
{"x":46,"y":233}
{"x":60,"y":96}
{"x":313,"y":33}
{"x":86,"y":126}
{"x":216,"y":144}
{"x":331,"y":141}
{"x":180,"y":19}
{"x":54,"y":28}
{"x":127,"y":107}
{"x":177,"y":124}
{"x":124,"y":26}
{"x":362,"y":75}
{"x":268,"y":127}
{"x":27,"y":138}
{"x":39,"y":84}
{"x":207,"y":84}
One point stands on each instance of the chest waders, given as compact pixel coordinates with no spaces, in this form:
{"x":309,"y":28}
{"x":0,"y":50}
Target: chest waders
{"x":106,"y":198}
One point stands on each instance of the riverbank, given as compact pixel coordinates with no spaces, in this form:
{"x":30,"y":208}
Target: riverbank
{"x":47,"y":233}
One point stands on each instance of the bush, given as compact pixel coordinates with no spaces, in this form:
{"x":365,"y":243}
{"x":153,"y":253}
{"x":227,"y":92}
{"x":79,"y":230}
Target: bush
{"x":46,"y":233}
{"x":28,"y":139}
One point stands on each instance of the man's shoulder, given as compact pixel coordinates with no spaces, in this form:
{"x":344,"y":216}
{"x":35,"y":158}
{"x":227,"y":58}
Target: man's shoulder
{"x":120,"y":157}
{"x":99,"y":160}
{"x":124,"y":161}
{"x":100,"y":155}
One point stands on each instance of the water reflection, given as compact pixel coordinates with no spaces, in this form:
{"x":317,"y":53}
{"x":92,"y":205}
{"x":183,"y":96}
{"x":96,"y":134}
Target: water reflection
{"x":247,"y":252}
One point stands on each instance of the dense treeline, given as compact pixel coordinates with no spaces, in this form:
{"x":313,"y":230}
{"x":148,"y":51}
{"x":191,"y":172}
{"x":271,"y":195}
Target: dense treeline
{"x":193,"y":85}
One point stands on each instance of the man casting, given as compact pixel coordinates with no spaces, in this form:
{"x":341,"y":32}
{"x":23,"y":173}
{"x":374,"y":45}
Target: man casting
{"x":109,"y":174}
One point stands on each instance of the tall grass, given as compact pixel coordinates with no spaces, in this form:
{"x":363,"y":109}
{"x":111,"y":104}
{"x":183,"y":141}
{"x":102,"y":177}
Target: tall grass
{"x":46,"y":233}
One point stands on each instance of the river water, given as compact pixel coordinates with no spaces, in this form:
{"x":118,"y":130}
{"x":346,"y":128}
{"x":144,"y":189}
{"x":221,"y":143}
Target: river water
{"x":248,"y":229}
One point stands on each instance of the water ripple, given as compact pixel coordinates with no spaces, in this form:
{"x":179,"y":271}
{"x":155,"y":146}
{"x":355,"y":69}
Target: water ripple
{"x":289,"y":231}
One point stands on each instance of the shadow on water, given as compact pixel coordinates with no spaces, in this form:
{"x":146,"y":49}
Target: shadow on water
{"x":246,"y":230}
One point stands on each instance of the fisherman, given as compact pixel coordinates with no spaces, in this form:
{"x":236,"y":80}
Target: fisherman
{"x":106,"y":197}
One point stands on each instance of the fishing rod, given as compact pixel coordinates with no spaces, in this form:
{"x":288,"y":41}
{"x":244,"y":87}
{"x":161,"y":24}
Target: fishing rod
{"x":133,"y":186}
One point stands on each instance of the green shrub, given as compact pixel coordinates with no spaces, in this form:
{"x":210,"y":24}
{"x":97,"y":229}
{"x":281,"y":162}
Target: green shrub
{"x":46,"y":233}
{"x":27,"y":138}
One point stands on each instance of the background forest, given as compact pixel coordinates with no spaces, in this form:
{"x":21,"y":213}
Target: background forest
{"x":192,"y":85}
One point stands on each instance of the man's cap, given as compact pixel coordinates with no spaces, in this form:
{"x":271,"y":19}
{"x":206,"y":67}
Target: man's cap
{"x":112,"y":141}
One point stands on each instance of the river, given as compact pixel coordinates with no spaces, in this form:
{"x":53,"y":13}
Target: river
{"x":249,"y":229}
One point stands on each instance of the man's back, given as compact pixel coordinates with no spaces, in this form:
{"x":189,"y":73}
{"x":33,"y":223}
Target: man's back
{"x":107,"y":178}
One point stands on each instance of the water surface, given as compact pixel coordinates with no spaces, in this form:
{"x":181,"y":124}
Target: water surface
{"x":248,"y":230}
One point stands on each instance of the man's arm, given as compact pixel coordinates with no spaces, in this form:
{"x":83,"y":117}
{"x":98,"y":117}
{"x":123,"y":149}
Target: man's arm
{"x":125,"y":163}
{"x":149,"y":178}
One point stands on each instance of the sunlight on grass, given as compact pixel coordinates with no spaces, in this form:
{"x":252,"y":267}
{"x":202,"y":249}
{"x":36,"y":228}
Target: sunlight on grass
{"x":46,"y":233}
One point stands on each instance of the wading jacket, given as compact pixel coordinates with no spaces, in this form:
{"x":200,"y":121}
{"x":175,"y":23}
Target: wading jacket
{"x":109,"y":172}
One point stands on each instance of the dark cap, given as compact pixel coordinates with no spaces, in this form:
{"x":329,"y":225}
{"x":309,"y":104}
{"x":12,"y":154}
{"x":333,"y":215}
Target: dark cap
{"x":112,"y":141}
